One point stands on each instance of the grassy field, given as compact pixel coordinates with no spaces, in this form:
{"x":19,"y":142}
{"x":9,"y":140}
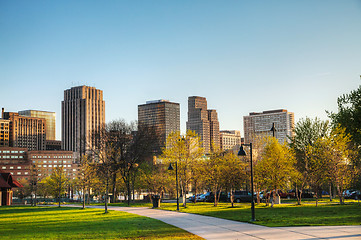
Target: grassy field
{"x":327,"y":214}
{"x":73,"y":223}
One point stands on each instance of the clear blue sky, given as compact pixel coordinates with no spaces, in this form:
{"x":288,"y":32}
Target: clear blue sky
{"x":243,"y":56}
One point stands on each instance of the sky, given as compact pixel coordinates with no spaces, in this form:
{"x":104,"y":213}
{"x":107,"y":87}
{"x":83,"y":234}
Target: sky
{"x":243,"y":56}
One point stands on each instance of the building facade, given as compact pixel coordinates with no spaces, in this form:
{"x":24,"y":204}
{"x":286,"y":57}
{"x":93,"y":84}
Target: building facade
{"x":229,"y":139}
{"x":26,"y":132}
{"x":204,"y":122}
{"x":258,"y":125}
{"x":19,"y":161}
{"x":4,"y":132}
{"x":163,"y":116}
{"x":49,"y":119}
{"x":83,"y":113}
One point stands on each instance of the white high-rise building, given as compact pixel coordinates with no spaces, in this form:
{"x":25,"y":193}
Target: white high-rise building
{"x":260,"y":124}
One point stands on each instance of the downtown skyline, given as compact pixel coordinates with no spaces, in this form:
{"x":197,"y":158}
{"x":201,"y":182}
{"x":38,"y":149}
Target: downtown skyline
{"x":248,"y":56}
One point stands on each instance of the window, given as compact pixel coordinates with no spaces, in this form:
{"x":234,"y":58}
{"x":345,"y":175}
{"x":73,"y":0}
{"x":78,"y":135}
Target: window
{"x":26,"y":173}
{"x":11,"y":167}
{"x":44,"y":161}
{"x":50,"y":165}
{"x":19,"y":167}
{"x":3,"y":168}
{"x":69,"y":165}
{"x":19,"y":173}
{"x":44,"y":165}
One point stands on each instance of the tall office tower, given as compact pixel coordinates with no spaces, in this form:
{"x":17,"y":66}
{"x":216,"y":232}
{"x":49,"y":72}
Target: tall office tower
{"x":49,"y":118}
{"x":164,"y":116}
{"x":83,"y":113}
{"x":26,"y":132}
{"x":203,"y":122}
{"x":4,"y":132}
{"x":260,"y":124}
{"x":213,"y":129}
{"x":229,"y":139}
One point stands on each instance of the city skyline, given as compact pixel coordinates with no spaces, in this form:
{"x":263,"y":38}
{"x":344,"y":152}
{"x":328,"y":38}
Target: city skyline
{"x":248,"y":56}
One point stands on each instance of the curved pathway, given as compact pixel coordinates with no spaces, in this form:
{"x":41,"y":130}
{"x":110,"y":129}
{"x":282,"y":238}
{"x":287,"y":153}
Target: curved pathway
{"x":216,"y":228}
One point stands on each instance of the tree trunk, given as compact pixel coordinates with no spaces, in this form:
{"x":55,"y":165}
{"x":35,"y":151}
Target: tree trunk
{"x":114,"y":187}
{"x":106,"y":195}
{"x":232,"y":198}
{"x":330,"y":192}
{"x":129,"y":192}
{"x":83,"y":197}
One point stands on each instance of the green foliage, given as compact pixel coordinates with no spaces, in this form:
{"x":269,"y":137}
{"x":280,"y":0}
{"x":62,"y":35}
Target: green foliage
{"x":276,"y":166}
{"x":186,"y":150}
{"x":70,"y":223}
{"x":349,"y":115}
{"x":56,"y":182}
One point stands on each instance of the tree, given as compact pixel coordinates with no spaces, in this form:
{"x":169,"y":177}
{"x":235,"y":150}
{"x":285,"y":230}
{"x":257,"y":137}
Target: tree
{"x":337,"y":151}
{"x":85,"y":175}
{"x":186,"y":150}
{"x":119,"y":148}
{"x":349,"y":118}
{"x":56,"y":182}
{"x":307,"y":131}
{"x":275,"y":169}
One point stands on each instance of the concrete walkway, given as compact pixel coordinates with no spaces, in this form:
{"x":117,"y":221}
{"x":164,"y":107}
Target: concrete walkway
{"x":216,"y":228}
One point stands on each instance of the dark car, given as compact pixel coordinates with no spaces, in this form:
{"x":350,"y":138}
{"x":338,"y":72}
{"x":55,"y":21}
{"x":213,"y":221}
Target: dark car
{"x":209,"y":197}
{"x":305,"y":194}
{"x":242,"y":196}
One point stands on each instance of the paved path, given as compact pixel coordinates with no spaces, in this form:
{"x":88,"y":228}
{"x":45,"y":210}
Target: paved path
{"x":216,"y":228}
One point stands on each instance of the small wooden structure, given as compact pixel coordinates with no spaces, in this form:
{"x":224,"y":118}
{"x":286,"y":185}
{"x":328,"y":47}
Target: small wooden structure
{"x":6,"y":184}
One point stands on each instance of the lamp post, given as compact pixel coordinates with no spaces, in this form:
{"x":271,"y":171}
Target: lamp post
{"x":243,"y":153}
{"x":176,"y":179}
{"x":273,"y":129}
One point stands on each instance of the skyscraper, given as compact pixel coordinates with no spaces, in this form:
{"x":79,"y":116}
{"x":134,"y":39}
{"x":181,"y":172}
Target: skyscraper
{"x":204,"y":122}
{"x":163,"y":115}
{"x":49,"y":119}
{"x":260,"y":124}
{"x":26,"y":132}
{"x":83,"y":112}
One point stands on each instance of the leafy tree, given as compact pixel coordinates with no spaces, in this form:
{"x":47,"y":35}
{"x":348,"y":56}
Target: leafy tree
{"x":307,"y":132}
{"x":56,"y":182}
{"x":234,"y":173}
{"x":275,"y":169}
{"x":348,"y":117}
{"x":119,"y":148}
{"x":186,"y":150}
{"x":337,"y":150}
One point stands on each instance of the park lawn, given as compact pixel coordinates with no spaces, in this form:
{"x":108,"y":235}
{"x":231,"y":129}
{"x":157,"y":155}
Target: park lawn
{"x":282,"y":215}
{"x":74,"y":223}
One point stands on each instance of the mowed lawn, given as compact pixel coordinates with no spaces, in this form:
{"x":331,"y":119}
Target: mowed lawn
{"x":75,"y":223}
{"x":280,"y":215}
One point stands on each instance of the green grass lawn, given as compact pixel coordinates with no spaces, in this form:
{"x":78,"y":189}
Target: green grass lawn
{"x":74,"y":223}
{"x":327,"y":214}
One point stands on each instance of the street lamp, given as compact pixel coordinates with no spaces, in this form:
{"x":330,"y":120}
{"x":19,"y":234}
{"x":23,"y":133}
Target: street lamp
{"x":273,"y":129}
{"x":176,"y":178}
{"x":243,"y":153}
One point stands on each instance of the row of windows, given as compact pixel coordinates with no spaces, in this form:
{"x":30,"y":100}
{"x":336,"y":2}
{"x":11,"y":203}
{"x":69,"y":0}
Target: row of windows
{"x":19,"y":173}
{"x":55,"y":161}
{"x":11,"y":157}
{"x":61,"y":156}
{"x":6,"y":151}
{"x":11,"y":167}
{"x":54,"y":166}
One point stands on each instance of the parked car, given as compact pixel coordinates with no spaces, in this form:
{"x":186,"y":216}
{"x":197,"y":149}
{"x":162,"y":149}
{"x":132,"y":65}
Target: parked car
{"x":242,"y":196}
{"x":348,"y":192}
{"x":305,"y":193}
{"x":209,"y":197}
{"x":191,"y":198}
{"x":354,"y":195}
